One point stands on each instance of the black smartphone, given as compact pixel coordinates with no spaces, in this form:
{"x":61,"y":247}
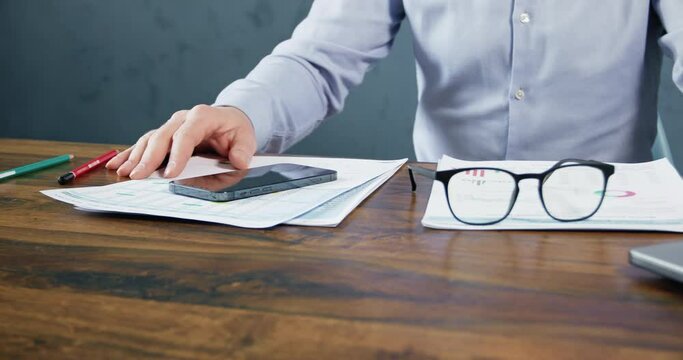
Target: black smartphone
{"x":240,"y":184}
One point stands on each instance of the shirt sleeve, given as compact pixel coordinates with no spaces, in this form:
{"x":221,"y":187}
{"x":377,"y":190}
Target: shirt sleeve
{"x":308,"y":77}
{"x":671,"y":14}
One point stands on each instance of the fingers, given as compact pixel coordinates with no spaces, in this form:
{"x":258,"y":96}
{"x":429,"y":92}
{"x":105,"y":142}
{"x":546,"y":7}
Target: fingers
{"x":157,"y":147}
{"x":199,"y":123}
{"x":227,"y":130}
{"x":118,"y":160}
{"x":242,"y":148}
{"x":135,"y":155}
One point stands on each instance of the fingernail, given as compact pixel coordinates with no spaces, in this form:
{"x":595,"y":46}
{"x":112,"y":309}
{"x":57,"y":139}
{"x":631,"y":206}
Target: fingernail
{"x":127,"y":165}
{"x":109,"y":164}
{"x":138,"y":169}
{"x":123,"y":168}
{"x":169,"y":168}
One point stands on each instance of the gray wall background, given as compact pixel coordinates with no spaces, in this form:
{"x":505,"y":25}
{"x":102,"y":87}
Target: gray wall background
{"x":107,"y":71}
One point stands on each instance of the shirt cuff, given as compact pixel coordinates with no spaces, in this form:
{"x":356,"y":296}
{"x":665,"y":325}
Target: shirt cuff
{"x":253,"y":101}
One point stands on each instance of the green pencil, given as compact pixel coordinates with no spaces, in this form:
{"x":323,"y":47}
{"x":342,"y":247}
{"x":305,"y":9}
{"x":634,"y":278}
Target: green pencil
{"x":35,"y":166}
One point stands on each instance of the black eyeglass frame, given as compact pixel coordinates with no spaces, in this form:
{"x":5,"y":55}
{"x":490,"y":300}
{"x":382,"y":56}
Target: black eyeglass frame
{"x":445,"y":176}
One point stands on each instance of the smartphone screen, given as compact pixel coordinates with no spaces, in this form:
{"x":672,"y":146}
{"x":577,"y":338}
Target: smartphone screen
{"x":240,"y":184}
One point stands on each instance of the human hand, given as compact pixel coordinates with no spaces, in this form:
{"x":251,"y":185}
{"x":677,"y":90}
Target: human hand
{"x":226,"y":130}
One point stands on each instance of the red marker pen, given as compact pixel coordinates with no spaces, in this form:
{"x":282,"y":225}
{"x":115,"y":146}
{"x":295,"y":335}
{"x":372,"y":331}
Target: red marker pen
{"x":86,"y":167}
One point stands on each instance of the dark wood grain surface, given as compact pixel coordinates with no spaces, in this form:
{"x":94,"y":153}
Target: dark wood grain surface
{"x":379,"y":286}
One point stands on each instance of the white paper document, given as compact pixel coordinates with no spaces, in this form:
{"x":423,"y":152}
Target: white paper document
{"x":334,"y":211}
{"x":152,"y":196}
{"x":643,"y":196}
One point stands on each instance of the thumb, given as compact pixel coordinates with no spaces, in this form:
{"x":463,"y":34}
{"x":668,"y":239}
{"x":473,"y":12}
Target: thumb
{"x":241,"y":151}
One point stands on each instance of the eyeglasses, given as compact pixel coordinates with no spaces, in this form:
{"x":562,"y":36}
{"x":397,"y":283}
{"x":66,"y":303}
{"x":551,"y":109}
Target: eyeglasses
{"x":571,"y":190}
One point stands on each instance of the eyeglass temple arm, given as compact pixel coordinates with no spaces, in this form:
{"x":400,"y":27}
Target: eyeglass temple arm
{"x":420,"y":171}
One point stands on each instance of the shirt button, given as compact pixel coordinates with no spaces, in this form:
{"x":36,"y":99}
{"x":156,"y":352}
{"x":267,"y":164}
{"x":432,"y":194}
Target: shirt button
{"x":519,"y":94}
{"x":524,"y":18}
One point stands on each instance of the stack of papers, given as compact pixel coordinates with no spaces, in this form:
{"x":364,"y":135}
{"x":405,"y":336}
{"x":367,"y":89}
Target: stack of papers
{"x":643,"y":196}
{"x":325,"y":204}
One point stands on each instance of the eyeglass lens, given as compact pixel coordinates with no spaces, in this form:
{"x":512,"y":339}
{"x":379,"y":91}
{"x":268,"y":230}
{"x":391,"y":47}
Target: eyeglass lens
{"x":483,"y":196}
{"x":573,"y":192}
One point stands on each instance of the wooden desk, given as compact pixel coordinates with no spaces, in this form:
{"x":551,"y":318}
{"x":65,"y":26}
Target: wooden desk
{"x":380,"y":286}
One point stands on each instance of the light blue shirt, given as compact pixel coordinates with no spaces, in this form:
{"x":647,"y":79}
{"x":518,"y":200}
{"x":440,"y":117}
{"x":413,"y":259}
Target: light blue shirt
{"x":497,"y":79}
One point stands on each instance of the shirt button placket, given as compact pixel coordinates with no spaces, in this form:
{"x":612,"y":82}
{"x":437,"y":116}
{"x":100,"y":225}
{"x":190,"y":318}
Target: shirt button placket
{"x":520,"y":78}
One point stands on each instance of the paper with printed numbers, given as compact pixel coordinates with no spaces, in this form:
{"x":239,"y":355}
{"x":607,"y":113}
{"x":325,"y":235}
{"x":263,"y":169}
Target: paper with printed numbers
{"x":643,"y":196}
{"x":325,"y":204}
